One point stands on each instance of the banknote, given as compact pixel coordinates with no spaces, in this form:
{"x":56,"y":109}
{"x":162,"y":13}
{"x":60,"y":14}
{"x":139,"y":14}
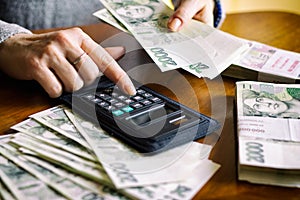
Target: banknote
{"x":88,"y":169}
{"x":268,"y":116}
{"x":147,"y":22}
{"x":5,"y":193}
{"x":182,"y":190}
{"x":71,"y":175}
{"x":128,"y":168}
{"x":189,"y":187}
{"x":269,"y":153}
{"x":23,"y":184}
{"x":125,"y":179}
{"x":96,"y":187}
{"x":270,"y":61}
{"x":271,"y":162}
{"x":104,"y":15}
{"x":269,"y":111}
{"x":212,"y":50}
{"x":61,"y":185}
{"x":49,"y":136}
{"x":55,"y":119}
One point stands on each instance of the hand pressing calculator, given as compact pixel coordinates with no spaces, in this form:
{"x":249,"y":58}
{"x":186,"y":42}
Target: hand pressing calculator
{"x":148,"y":121}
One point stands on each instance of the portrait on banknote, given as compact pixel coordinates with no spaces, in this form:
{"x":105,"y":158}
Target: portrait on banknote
{"x":284,"y":104}
{"x":134,"y":13}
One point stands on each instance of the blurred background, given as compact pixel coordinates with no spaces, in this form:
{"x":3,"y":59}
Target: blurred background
{"x":234,"y":6}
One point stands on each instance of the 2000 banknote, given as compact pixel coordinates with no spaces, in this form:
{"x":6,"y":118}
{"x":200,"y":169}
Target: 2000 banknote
{"x":195,"y":48}
{"x":265,"y":108}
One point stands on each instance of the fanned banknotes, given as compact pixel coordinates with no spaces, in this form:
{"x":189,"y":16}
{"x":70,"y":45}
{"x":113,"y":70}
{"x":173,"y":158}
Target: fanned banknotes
{"x":51,"y":155}
{"x":268,"y":126}
{"x":198,"y":48}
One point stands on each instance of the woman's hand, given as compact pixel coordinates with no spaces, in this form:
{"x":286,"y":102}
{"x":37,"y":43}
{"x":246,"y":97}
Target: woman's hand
{"x":61,"y":60}
{"x":201,"y":10}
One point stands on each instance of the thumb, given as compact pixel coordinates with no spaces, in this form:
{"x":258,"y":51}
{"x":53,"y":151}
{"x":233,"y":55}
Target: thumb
{"x":184,"y":13}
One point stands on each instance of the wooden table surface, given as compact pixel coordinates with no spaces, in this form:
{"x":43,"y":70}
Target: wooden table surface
{"x":215,"y":98}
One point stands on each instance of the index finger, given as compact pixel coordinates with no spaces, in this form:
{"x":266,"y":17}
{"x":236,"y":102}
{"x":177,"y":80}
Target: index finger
{"x":108,"y":65}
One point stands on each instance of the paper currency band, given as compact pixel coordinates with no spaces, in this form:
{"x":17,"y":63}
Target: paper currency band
{"x":219,"y":14}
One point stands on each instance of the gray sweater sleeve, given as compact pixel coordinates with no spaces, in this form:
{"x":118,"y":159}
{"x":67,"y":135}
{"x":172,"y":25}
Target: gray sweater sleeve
{"x":7,"y":30}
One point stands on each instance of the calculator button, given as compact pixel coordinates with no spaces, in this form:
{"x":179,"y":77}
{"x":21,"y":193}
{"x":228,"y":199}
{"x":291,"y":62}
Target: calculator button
{"x":117,"y":112}
{"x":119,"y":104}
{"x":127,"y":109}
{"x":137,"y":98}
{"x":96,"y":100}
{"x":147,"y":95}
{"x":129,"y":101}
{"x":155,"y":99}
{"x":136,"y":105}
{"x":104,"y":96}
{"x":112,"y":101}
{"x":109,"y":108}
{"x":140,"y":91}
{"x":103,"y":104}
{"x":146,"y":102}
{"x":122,"y":97}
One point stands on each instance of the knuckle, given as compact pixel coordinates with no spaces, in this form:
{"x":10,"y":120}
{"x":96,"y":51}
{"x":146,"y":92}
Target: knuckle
{"x":119,"y":77}
{"x":34,"y":63}
{"x":77,"y":30}
{"x":62,"y":37}
{"x":49,"y":49}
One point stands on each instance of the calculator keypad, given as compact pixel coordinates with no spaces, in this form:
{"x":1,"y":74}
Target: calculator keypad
{"x":115,"y":102}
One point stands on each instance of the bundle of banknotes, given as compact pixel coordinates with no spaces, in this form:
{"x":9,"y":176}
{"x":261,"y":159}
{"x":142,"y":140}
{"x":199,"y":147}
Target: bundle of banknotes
{"x":268,"y":126}
{"x":212,"y":50}
{"x":55,"y":154}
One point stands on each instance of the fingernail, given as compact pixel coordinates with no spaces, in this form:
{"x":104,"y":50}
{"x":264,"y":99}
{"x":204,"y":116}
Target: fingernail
{"x":175,"y":24}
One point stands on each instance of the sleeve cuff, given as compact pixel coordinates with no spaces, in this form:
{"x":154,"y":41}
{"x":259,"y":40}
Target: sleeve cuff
{"x":219,"y":14}
{"x":7,"y":30}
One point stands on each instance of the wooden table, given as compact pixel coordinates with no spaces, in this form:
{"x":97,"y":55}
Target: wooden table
{"x":215,"y":97}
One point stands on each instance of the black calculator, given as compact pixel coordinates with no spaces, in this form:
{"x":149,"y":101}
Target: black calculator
{"x":148,"y":121}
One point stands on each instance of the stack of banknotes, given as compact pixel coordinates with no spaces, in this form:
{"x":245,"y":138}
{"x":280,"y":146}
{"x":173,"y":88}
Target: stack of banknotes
{"x":55,"y":154}
{"x":268,"y":126}
{"x":198,"y":48}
